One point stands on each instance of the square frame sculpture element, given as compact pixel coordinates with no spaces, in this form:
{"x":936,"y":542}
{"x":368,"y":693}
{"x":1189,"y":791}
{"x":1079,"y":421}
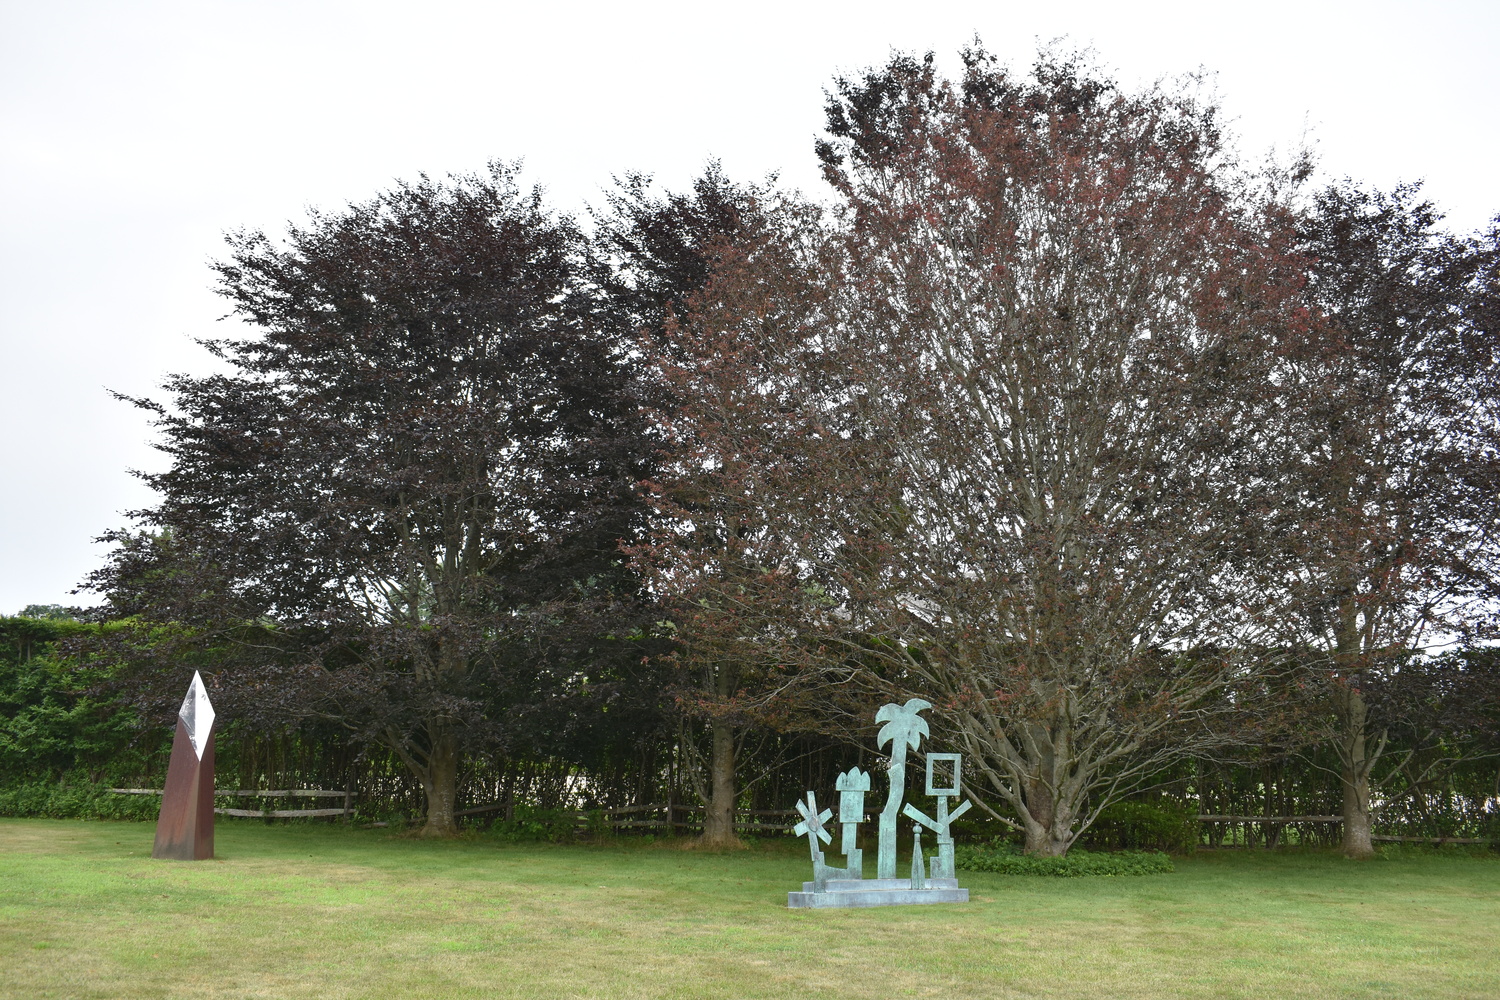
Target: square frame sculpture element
{"x":956,"y":759}
{"x":185,"y":829}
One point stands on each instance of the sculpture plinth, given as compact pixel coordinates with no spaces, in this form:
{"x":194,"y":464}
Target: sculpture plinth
{"x":846,"y":887}
{"x":185,"y":829}
{"x":845,"y":893}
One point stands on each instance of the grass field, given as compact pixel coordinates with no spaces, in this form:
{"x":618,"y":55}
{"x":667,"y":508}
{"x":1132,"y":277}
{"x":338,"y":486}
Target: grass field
{"x":321,"y":911}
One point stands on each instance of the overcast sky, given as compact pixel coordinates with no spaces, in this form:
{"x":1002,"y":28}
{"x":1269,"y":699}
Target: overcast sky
{"x":133,"y":135}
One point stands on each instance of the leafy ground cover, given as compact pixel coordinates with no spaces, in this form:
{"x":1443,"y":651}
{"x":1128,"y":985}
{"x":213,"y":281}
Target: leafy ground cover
{"x":321,"y":911}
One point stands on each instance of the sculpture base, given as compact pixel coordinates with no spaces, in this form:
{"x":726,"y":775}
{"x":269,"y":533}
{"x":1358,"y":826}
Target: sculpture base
{"x":876,"y":892}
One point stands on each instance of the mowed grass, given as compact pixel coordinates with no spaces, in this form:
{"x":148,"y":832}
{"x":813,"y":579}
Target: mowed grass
{"x":321,"y":911}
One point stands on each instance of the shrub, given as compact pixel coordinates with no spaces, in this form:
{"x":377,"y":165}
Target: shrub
{"x":1004,"y":859}
{"x":75,"y":799}
{"x":975,"y":827}
{"x":1155,"y":825}
{"x":50,"y":725}
{"x":533,"y":824}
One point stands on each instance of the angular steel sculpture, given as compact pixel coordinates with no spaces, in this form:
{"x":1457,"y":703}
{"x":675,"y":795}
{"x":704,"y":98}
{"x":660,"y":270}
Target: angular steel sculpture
{"x":843,"y":887}
{"x":185,"y":829}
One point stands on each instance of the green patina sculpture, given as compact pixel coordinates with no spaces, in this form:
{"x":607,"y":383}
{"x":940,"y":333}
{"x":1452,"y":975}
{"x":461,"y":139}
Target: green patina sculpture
{"x":839,"y":887}
{"x":812,"y":828}
{"x":942,"y":865}
{"x":918,"y":876}
{"x":852,"y":786}
{"x":903,"y":729}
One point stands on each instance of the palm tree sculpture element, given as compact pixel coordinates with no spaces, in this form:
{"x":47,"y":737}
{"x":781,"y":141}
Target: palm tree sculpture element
{"x":903,"y":729}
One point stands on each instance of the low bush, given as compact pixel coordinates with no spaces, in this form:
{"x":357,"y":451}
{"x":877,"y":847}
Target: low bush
{"x":78,"y":799}
{"x":532,"y":824}
{"x":50,"y":725}
{"x":975,"y":827}
{"x":1005,"y":859}
{"x":1145,"y":825}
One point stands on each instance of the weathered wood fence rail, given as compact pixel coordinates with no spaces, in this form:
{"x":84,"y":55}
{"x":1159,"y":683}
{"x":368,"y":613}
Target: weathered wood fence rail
{"x":1205,"y":818}
{"x":684,"y":818}
{"x":674,"y":817}
{"x":665,"y":816}
{"x":1275,"y":821}
{"x":346,"y":810}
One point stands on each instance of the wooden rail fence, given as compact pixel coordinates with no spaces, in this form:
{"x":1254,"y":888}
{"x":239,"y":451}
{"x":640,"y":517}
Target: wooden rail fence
{"x":677,"y":817}
{"x":1284,"y":820}
{"x":346,"y":810}
{"x":666,"y":816}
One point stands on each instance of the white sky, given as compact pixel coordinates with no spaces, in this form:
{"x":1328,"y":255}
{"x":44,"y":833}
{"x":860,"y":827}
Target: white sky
{"x":133,"y":135}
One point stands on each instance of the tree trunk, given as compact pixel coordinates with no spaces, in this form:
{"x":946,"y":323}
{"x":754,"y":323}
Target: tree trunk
{"x":1357,"y":843}
{"x":1048,"y":835}
{"x":440,"y":784}
{"x":1356,"y":764}
{"x":1045,"y":843}
{"x":718,"y":814}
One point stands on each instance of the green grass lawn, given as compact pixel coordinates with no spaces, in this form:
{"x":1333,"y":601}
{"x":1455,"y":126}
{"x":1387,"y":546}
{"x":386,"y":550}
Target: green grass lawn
{"x":321,"y":911}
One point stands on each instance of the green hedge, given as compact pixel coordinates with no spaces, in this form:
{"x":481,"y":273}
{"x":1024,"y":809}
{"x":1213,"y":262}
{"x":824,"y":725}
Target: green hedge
{"x":1145,"y":825}
{"x":533,"y":824}
{"x":75,"y":799}
{"x":1004,"y":859}
{"x":50,"y":725}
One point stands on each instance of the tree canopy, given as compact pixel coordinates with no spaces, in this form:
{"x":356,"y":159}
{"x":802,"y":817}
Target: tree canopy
{"x":419,"y":467}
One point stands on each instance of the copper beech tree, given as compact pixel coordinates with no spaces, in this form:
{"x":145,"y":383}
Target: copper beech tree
{"x":402,"y":504}
{"x":658,"y":253}
{"x":1398,"y":474}
{"x":1002,"y":432}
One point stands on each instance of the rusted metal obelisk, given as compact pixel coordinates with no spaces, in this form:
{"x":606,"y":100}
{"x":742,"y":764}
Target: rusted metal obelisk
{"x":185,"y":831}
